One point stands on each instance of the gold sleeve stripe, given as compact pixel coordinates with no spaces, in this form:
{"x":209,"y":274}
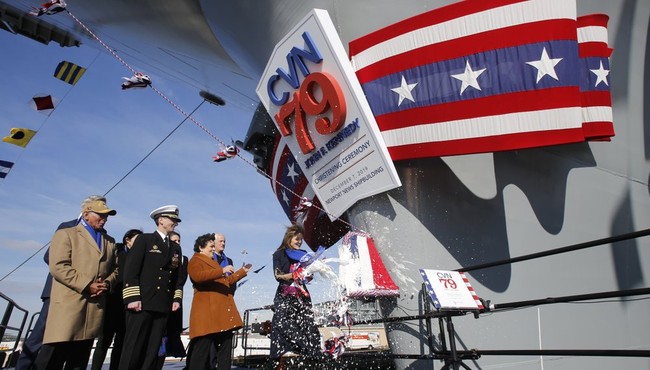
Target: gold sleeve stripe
{"x":178,"y":293}
{"x":131,"y":292}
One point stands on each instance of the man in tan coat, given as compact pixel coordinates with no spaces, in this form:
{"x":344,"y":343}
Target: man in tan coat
{"x":82,"y":264}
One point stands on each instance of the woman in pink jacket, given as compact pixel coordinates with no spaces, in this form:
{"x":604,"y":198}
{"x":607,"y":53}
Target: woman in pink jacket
{"x":214,"y":315}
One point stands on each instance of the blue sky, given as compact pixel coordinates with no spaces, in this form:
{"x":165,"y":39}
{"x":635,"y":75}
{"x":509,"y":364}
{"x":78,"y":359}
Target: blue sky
{"x":95,"y":136}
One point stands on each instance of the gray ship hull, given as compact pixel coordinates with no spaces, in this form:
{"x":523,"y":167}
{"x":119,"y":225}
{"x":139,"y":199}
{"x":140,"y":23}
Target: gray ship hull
{"x":461,"y":211}
{"x":455,"y":212}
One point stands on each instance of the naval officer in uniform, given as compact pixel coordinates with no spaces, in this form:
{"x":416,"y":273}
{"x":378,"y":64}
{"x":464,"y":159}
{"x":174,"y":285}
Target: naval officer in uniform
{"x":152,"y":290}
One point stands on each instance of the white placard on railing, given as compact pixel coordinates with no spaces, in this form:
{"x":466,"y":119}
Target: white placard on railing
{"x":450,"y":290}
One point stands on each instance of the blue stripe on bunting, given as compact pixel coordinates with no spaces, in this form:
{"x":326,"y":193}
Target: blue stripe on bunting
{"x":506,"y":72}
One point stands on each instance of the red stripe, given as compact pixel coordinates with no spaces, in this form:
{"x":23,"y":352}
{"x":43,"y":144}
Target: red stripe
{"x":271,"y":170}
{"x":489,"y":106}
{"x":486,"y":144}
{"x":319,"y":230}
{"x":472,"y":292}
{"x":381,"y":278}
{"x":557,"y":29}
{"x":277,"y":171}
{"x":308,"y":222}
{"x":596,"y":99}
{"x":607,"y":139}
{"x":435,"y":16}
{"x":597,"y":19}
{"x":294,"y":200}
{"x":594,"y":49}
{"x":598,"y":131}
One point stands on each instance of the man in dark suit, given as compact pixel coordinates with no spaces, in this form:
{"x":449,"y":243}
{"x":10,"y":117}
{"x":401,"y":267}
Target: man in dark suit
{"x":114,"y":325}
{"x":152,"y":290}
{"x":219,"y":254}
{"x":174,"y":346}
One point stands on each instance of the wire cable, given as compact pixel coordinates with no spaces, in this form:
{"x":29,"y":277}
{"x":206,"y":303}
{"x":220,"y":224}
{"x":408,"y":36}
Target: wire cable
{"x":199,"y":125}
{"x":112,"y":187}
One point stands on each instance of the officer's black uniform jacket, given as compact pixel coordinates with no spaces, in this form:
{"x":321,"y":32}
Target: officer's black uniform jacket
{"x":151,"y":273}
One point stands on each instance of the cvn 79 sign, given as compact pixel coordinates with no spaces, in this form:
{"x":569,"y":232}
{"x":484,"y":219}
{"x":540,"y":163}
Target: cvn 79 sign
{"x":305,"y":103}
{"x":450,"y":290}
{"x":313,"y":96}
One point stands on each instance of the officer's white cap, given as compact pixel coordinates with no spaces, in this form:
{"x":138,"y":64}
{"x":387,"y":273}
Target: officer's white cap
{"x":170,"y":211}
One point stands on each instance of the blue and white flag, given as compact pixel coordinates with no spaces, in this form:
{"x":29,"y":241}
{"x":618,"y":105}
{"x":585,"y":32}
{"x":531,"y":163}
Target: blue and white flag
{"x":5,"y":167}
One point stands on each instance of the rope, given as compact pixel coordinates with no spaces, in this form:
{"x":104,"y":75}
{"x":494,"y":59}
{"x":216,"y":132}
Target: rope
{"x":187,"y":116}
{"x":199,"y":125}
{"x":154,"y":148}
{"x":112,"y":187}
{"x":49,"y":115}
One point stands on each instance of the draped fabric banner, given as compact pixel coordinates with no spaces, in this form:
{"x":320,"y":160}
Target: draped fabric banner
{"x":595,"y":94}
{"x":474,"y":77}
{"x":482,"y":76}
{"x":311,"y":92}
{"x":361,"y":269}
{"x":287,"y":177}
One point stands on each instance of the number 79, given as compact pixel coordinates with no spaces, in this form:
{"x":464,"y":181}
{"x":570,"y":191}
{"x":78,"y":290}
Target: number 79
{"x":448,"y":283}
{"x":304,"y":102}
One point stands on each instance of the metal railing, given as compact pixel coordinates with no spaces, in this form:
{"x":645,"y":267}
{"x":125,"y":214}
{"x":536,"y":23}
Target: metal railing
{"x":453,"y":358}
{"x":247,"y":330}
{"x":4,"y":327}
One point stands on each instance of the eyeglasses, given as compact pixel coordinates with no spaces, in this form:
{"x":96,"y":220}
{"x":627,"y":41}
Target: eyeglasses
{"x":101,"y":215}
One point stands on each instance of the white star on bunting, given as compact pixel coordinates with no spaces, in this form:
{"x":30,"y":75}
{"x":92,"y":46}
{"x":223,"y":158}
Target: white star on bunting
{"x":469,"y":78}
{"x":292,"y":173}
{"x":284,"y":197}
{"x":404,"y":91}
{"x":601,"y":74}
{"x":545,"y":66}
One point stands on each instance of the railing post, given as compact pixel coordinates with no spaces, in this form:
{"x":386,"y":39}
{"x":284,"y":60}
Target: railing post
{"x":5,"y":319}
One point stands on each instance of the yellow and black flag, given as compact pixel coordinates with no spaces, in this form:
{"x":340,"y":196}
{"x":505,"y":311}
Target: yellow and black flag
{"x":69,"y":72}
{"x":19,"y":136}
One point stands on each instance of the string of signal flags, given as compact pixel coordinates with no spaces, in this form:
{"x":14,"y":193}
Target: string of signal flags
{"x":65,"y":71}
{"x":139,"y":80}
{"x":70,"y":73}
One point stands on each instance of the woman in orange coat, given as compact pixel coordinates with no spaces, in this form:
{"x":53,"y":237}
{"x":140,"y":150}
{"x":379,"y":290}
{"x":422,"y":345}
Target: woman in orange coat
{"x":214,"y":315}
